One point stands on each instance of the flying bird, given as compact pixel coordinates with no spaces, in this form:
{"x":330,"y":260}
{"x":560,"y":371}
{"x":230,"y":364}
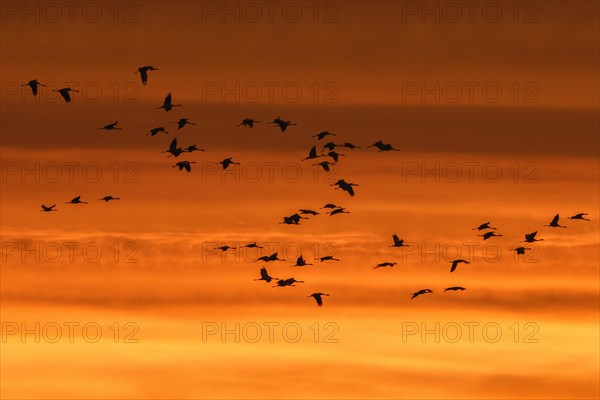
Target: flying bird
{"x":312,"y":154}
{"x":456,"y":262}
{"x":173,"y":150}
{"x":183,"y":122}
{"x":330,"y":146}
{"x":282,"y":124}
{"x":340,"y":210}
{"x":287,"y":282}
{"x":249,"y":122}
{"x":521,"y":249}
{"x":323,"y":134}
{"x":76,"y":200}
{"x":111,"y":127}
{"x":187,"y":165}
{"x":488,"y":235}
{"x":264,"y":276}
{"x":383,"y":147}
{"x":308,"y":212}
{"x":192,"y":148}
{"x":350,"y":146}
{"x":227,"y":162}
{"x":270,"y":258}
{"x":330,"y":205}
{"x":530,"y":237}
{"x":64,"y":92}
{"x":301,"y":262}
{"x":328,"y":258}
{"x":335,"y":156}
{"x":46,"y":208}
{"x":385,"y":264}
{"x":318,"y":298}
{"x":143,"y":71}
{"x":398,"y":242}
{"x":33,"y":84}
{"x":325,"y":165}
{"x":168,"y":103}
{"x":253,"y":245}
{"x":454,"y":288}
{"x":554,"y":223}
{"x":225,"y":248}
{"x":345,"y":186}
{"x":485,"y":225}
{"x":109,"y":198}
{"x":580,"y":216}
{"x":155,"y":131}
{"x":420,"y":292}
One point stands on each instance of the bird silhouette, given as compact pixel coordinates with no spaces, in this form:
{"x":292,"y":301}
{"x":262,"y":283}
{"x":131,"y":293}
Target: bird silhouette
{"x":456,"y":262}
{"x":46,"y":208}
{"x":521,"y":249}
{"x":580,"y":216}
{"x":420,"y":292}
{"x":312,"y":154}
{"x":308,"y":212}
{"x":76,"y":200}
{"x":318,"y":298}
{"x":168,"y":103}
{"x":301,"y":262}
{"x":249,"y":122}
{"x":398,"y":242}
{"x":187,"y":165}
{"x":335,"y":156}
{"x":253,"y":245}
{"x":382,"y":146}
{"x":143,"y":71}
{"x":33,"y":84}
{"x":454,"y":288}
{"x":227,"y":162}
{"x":330,"y":146}
{"x":325,"y":165}
{"x":323,"y":134}
{"x":111,"y":127}
{"x":345,"y":186}
{"x":340,"y":210}
{"x":64,"y":92}
{"x":264,"y":276}
{"x":530,"y":237}
{"x":328,"y":258}
{"x":192,"y":148}
{"x":485,"y":225}
{"x":155,"y":131}
{"x":350,"y":146}
{"x":385,"y":264}
{"x":293,"y":219}
{"x":225,"y":248}
{"x":488,"y":235}
{"x":173,"y":150}
{"x":282,"y":124}
{"x":269,"y":258}
{"x":554,"y":223}
{"x":109,"y":198}
{"x":183,"y":122}
{"x":287,"y":282}
{"x":330,"y":205}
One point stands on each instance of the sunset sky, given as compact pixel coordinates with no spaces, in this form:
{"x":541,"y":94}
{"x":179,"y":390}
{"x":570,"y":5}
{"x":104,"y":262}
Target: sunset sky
{"x":494,"y":108}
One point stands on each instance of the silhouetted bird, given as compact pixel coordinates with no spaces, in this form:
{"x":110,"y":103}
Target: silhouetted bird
{"x":330,"y":205}
{"x":76,"y":200}
{"x":111,"y":127}
{"x":168,"y":104}
{"x":345,"y":186}
{"x":312,"y":154}
{"x":249,"y":122}
{"x":554,"y":223}
{"x":143,"y":71}
{"x":330,"y":146}
{"x":253,"y":245}
{"x":328,"y":258}
{"x":488,"y":235}
{"x":155,"y":131}
{"x":227,"y":162}
{"x":340,"y":210}
{"x":282,"y":124}
{"x":192,"y":148}
{"x":301,"y":262}
{"x":173,"y":149}
{"x":317,"y":297}
{"x":293,"y":219}
{"x":454,"y":288}
{"x":350,"y":146}
{"x":398,"y":242}
{"x":33,"y":84}
{"x":287,"y":282}
{"x":46,"y":208}
{"x":264,"y":276}
{"x":520,"y":249}
{"x":420,"y":292}
{"x":325,"y":165}
{"x":323,"y":134}
{"x":270,"y":258}
{"x":335,"y":156}
{"x":485,"y":225}
{"x":183,"y":122}
{"x":108,"y":198}
{"x":385,"y":264}
{"x":225,"y":248}
{"x":187,"y":165}
{"x":580,"y":216}
{"x":530,"y":237}
{"x":382,"y":146}
{"x":64,"y":92}
{"x":308,"y":212}
{"x":456,"y":262}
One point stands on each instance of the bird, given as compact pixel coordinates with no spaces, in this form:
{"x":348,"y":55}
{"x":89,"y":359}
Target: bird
{"x":253,"y":245}
{"x":335,"y":156}
{"x":383,"y":147}
{"x":225,"y":248}
{"x":308,"y":212}
{"x":111,"y":127}
{"x":249,"y":122}
{"x":143,"y":71}
{"x":192,"y":148}
{"x":301,"y":262}
{"x":520,"y":249}
{"x":173,"y":149}
{"x":488,"y":235}
{"x":183,"y":122}
{"x":155,"y":131}
{"x":227,"y":162}
{"x":287,"y":282}
{"x":187,"y":165}
{"x":312,"y":154}
{"x":530,"y":237}
{"x":109,"y":198}
{"x":64,"y":92}
{"x":293,"y":219}
{"x":554,"y":223}
{"x":46,"y":208}
{"x":350,"y":146}
{"x":398,"y":242}
{"x":340,"y":210}
{"x":264,"y":276}
{"x":328,"y":258}
{"x":317,"y":297}
{"x":33,"y":84}
{"x":580,"y":216}
{"x":76,"y":200}
{"x":323,"y":134}
{"x":420,"y":292}
{"x":282,"y":124}
{"x":454,"y":288}
{"x":485,"y":225}
{"x":456,"y":262}
{"x":345,"y":186}
{"x":168,"y":103}
{"x":330,"y":146}
{"x":385,"y":264}
{"x":330,"y":205}
{"x":325,"y":165}
{"x":269,"y":258}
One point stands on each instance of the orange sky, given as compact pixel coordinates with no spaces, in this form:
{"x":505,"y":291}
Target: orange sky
{"x":148,"y":261}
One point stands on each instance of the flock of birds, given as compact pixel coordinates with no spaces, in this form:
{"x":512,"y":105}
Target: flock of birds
{"x":328,"y":151}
